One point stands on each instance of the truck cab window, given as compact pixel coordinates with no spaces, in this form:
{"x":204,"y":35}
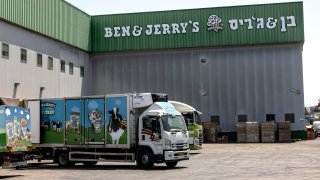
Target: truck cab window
{"x":188,"y":117}
{"x":151,"y":123}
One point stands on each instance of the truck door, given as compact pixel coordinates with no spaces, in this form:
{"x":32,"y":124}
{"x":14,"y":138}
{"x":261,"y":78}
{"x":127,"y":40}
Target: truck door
{"x":74,"y":121}
{"x":94,"y":121}
{"x":150,"y":133}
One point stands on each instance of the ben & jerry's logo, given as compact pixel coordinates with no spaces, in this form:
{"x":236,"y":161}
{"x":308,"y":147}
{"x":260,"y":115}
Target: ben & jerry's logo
{"x":214,"y":23}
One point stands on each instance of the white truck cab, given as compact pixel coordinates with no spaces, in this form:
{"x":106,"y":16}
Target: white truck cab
{"x":163,"y":130}
{"x":191,"y":116}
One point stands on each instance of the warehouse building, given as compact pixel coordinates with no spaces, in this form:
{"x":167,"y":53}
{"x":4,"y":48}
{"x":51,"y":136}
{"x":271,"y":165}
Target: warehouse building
{"x":234,"y":64}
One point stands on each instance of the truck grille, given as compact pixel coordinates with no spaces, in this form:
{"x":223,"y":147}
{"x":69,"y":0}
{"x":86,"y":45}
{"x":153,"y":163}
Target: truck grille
{"x":179,"y":146}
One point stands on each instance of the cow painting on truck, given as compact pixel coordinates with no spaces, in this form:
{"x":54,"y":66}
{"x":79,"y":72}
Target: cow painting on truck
{"x":117,"y":108}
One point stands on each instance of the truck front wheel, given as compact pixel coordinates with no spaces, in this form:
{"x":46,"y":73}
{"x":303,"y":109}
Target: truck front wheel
{"x":145,"y":159}
{"x":171,"y":164}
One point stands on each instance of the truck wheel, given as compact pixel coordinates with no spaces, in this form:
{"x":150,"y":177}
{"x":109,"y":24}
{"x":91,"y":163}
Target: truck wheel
{"x":171,"y":164}
{"x":1,"y":160}
{"x":145,"y":159}
{"x":89,"y":163}
{"x":63,"y":158}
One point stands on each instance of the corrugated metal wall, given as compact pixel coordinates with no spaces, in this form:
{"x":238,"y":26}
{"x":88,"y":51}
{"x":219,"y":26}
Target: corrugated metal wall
{"x":30,"y":76}
{"x":251,"y":80}
{"x":54,"y":18}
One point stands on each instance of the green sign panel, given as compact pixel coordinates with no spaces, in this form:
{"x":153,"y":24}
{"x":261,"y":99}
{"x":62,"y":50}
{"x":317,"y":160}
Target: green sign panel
{"x":226,"y":26}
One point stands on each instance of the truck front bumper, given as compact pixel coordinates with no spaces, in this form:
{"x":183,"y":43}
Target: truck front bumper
{"x":176,"y":155}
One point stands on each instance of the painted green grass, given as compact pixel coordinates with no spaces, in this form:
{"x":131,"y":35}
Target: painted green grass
{"x":91,"y":136}
{"x":122,"y":140}
{"x":3,"y":148}
{"x":73,"y":138}
{"x":3,"y":139}
{"x":52,"y":137}
{"x":87,"y":135}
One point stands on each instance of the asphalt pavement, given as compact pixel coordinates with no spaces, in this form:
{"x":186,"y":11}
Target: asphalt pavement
{"x":297,"y":160}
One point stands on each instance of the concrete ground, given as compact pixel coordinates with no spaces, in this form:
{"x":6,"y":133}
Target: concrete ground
{"x":298,"y":160}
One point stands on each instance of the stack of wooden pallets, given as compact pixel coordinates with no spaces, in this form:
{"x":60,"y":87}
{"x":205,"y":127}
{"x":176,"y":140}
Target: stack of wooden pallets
{"x":284,"y":132}
{"x":252,"y":129}
{"x":241,"y":132}
{"x":268,"y":132}
{"x":210,"y":132}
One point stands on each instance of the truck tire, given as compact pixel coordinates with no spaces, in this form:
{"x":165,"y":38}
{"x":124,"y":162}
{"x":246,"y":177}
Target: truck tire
{"x":89,"y":163}
{"x":145,"y":159}
{"x":1,"y":160}
{"x":171,"y":164}
{"x":63,"y":158}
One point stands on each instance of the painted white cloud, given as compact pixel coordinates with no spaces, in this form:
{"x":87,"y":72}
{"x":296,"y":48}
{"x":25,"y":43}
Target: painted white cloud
{"x":75,"y":109}
{"x":28,"y":117}
{"x":118,"y":102}
{"x":93,"y":105}
{"x":21,"y":112}
{"x":15,"y":110}
{"x":8,"y":112}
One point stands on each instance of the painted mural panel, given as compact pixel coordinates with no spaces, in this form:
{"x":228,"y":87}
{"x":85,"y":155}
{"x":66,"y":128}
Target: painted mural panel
{"x":94,"y":121}
{"x":3,"y":137}
{"x":74,"y":122}
{"x":52,"y":121}
{"x":15,"y":128}
{"x":117,"y":119}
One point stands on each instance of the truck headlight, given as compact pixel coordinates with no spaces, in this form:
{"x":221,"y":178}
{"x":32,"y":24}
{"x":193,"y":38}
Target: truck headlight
{"x":167,"y":144}
{"x":196,"y":141}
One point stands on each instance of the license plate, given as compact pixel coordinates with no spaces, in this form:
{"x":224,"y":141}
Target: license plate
{"x":180,"y":153}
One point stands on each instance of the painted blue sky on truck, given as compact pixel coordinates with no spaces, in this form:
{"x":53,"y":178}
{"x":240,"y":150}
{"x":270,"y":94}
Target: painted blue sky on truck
{"x":120,"y":102}
{"x":52,"y":110}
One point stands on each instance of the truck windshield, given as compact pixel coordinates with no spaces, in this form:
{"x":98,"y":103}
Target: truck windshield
{"x":173,"y":123}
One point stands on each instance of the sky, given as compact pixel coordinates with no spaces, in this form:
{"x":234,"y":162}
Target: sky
{"x":311,"y":62}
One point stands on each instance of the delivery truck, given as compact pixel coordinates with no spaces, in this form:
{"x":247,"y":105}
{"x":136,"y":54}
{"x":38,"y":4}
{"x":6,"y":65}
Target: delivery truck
{"x":143,"y":128}
{"x":192,"y":118}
